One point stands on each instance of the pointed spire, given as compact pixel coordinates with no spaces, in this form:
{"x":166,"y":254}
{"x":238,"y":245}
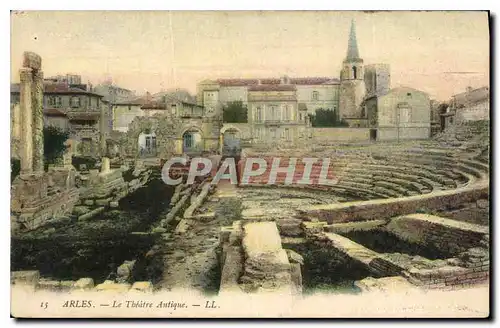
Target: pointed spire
{"x":352,"y":46}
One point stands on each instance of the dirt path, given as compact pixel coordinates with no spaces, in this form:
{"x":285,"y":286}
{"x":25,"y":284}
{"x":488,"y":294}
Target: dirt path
{"x":190,"y":260}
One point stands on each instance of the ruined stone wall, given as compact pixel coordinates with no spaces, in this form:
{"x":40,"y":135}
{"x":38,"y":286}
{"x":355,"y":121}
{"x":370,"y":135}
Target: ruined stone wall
{"x":253,"y":260}
{"x":387,"y":208}
{"x":331,"y":135}
{"x":448,"y":235}
{"x":470,"y":268}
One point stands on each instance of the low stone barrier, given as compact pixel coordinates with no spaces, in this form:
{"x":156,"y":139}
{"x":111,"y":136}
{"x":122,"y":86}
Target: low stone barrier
{"x":32,"y":280}
{"x":448,"y":235}
{"x":468,"y":243}
{"x":387,"y":208}
{"x":254,"y":261}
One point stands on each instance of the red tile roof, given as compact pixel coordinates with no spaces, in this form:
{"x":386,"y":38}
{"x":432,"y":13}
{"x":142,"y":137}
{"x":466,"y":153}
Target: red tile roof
{"x":311,"y":80}
{"x":53,"y":112}
{"x":139,"y":101}
{"x":237,"y":82}
{"x":154,"y":105}
{"x":272,"y":87}
{"x":296,"y":81}
{"x":56,"y":88}
{"x":83,"y":115}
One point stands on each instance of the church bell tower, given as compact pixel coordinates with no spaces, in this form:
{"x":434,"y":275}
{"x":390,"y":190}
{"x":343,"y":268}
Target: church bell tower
{"x":352,"y":84}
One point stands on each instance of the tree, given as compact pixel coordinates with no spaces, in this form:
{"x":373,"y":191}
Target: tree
{"x":235,"y":112}
{"x":326,"y":118}
{"x":442,"y":108}
{"x":53,"y":143}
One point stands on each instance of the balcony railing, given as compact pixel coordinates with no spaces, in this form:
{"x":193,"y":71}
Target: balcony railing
{"x":278,"y":122}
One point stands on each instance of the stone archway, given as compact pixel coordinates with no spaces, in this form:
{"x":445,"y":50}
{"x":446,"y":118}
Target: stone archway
{"x":192,"y":140}
{"x":157,"y":133}
{"x":231,"y":141}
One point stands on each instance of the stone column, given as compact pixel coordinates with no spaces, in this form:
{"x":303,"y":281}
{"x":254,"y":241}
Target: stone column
{"x":105,"y":165}
{"x":16,"y":124}
{"x":26,"y":149}
{"x":37,"y":107}
{"x":102,"y":129}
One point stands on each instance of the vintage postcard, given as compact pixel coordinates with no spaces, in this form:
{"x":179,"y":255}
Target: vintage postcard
{"x":250,"y":164}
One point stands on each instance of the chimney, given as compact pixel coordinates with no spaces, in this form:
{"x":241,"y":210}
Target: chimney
{"x":259,"y":82}
{"x":469,"y":89}
{"x":148,"y":97}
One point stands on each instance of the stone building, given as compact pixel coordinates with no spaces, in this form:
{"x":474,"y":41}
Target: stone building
{"x":73,"y":80}
{"x":113,"y":93}
{"x":402,"y":113}
{"x":81,"y":112}
{"x":124,"y":112}
{"x":172,"y":126}
{"x":274,"y":114}
{"x":471,"y":105}
{"x":377,"y":79}
{"x":311,"y":92}
{"x":344,"y":95}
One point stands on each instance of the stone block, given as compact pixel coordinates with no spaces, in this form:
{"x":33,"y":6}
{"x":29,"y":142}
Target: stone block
{"x":52,"y":285}
{"x":483,"y":203}
{"x":290,"y":227}
{"x":159,"y":230}
{"x":110,"y":286}
{"x":84,"y":283}
{"x":183,"y":226}
{"x":296,"y":275}
{"x":103,"y":202}
{"x":32,"y":60}
{"x":80,"y":210}
{"x":124,"y":271}
{"x":142,"y":286}
{"x":294,"y":257}
{"x":66,"y":285}
{"x":29,"y":277}
{"x":89,"y":202}
{"x":114,"y":204}
{"x":90,"y":214}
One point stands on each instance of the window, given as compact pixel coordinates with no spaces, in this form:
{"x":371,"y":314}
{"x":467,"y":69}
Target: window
{"x":286,"y":113}
{"x":258,"y":133}
{"x":408,"y":94}
{"x":174,"y":109}
{"x":355,"y":72}
{"x":258,"y":114}
{"x":58,"y":102}
{"x":52,"y":101}
{"x":75,"y":102}
{"x":272,"y":111}
{"x":287,"y":134}
{"x":451,"y":120}
{"x":129,"y":107}
{"x":315,"y":95}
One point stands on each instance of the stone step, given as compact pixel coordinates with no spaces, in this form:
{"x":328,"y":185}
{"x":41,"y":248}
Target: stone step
{"x":392,"y":186}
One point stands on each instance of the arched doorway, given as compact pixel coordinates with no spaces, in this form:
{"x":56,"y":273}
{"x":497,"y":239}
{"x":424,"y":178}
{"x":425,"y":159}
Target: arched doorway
{"x":147,"y":144}
{"x":192,"y":141}
{"x":231,"y":142}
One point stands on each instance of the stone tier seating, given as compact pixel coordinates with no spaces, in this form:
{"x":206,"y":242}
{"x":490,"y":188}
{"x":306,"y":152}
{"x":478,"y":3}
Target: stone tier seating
{"x":387,"y":170}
